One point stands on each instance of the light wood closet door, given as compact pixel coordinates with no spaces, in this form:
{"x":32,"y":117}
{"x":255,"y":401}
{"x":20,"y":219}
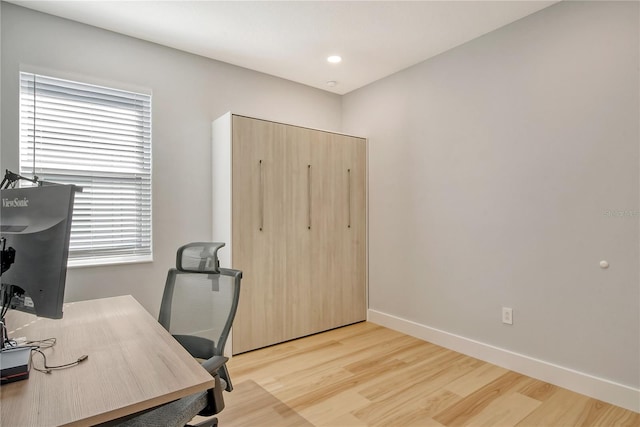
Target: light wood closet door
{"x":354,"y":239}
{"x":326,"y":257}
{"x":338,"y":225}
{"x":259,"y":213}
{"x":300,"y":297}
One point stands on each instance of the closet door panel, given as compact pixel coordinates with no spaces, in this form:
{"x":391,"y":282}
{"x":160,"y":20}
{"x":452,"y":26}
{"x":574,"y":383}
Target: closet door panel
{"x":354,"y":238}
{"x":338,"y":245}
{"x":328,"y":222}
{"x":299,"y":297}
{"x":258,"y":188}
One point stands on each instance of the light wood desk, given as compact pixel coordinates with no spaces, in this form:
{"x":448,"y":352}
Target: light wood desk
{"x":134,"y":364}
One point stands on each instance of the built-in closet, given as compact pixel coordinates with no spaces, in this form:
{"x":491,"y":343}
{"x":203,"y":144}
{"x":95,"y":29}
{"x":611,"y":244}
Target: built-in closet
{"x":291,"y":203}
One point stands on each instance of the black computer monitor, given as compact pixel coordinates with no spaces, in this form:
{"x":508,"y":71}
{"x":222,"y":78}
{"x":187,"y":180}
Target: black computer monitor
{"x":36,"y":223}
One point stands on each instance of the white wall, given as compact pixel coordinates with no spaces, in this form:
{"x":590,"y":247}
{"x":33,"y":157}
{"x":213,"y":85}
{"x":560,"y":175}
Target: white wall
{"x":188,"y":93}
{"x":492,"y":168}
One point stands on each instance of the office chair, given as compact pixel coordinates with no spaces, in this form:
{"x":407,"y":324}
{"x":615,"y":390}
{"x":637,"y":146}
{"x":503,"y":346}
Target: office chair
{"x":198,"y":306}
{"x":200,"y":301}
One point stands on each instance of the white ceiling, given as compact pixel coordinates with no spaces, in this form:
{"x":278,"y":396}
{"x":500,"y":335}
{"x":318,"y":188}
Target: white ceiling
{"x":292,"y":39}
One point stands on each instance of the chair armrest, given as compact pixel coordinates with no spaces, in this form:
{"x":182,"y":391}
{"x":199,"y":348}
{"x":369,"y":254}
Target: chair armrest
{"x":214,"y":363}
{"x":215,"y":401}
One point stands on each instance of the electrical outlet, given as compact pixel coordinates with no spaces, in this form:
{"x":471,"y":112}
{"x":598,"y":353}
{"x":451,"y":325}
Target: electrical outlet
{"x":507,"y":315}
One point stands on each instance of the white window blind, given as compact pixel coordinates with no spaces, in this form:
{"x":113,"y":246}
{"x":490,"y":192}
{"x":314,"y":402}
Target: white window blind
{"x":99,"y":139}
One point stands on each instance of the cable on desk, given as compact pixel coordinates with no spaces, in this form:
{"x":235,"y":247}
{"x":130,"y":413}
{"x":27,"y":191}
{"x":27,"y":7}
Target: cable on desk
{"x":38,"y":345}
{"x":47,"y":369}
{"x":41,"y":344}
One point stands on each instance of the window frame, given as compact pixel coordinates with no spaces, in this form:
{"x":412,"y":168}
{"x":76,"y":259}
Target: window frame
{"x":141,"y":246}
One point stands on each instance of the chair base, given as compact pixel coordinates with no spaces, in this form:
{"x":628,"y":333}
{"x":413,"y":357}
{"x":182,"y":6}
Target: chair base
{"x":211,"y":422}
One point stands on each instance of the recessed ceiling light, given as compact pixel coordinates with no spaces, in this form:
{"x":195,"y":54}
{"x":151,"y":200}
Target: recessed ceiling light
{"x":332,"y":83}
{"x":334,"y":59}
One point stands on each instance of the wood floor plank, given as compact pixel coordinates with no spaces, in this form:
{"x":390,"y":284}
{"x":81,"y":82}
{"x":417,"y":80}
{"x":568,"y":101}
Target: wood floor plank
{"x":475,"y":379}
{"x":391,"y":350}
{"x":423,"y":422}
{"x":347,"y":358}
{"x":460,"y":413}
{"x":343,"y":420}
{"x":321,"y":393}
{"x":422,"y":417}
{"x":249,"y":405}
{"x":538,"y":390}
{"x":384,"y":365}
{"x":329,"y":342}
{"x":565,"y":408}
{"x":271,"y":358}
{"x":324,"y":413}
{"x":445,"y":364}
{"x":598,"y":413}
{"x":505,"y":411}
{"x":422,"y":402}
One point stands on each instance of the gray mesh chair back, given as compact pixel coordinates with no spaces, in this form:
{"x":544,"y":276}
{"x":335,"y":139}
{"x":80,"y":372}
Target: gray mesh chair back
{"x":200,"y":301}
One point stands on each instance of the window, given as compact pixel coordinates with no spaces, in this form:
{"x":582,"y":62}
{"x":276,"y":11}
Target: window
{"x":99,"y":139}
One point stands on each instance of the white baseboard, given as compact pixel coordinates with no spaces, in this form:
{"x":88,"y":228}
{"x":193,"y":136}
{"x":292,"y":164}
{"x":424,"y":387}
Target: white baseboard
{"x":598,"y":388}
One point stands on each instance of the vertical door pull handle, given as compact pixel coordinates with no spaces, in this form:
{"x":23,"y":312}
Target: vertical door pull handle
{"x":309,"y":197}
{"x":261,"y":196}
{"x":349,"y":196}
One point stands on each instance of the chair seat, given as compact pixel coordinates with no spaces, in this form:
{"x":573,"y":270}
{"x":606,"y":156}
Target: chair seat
{"x":177,"y":413}
{"x":198,"y":347}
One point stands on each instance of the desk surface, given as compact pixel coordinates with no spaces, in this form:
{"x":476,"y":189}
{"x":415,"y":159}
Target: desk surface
{"x":134,"y":364}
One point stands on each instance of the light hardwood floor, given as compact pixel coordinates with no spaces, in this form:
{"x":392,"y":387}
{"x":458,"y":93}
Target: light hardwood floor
{"x":365,"y":374}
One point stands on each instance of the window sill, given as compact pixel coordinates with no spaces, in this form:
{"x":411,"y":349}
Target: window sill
{"x":99,"y":262}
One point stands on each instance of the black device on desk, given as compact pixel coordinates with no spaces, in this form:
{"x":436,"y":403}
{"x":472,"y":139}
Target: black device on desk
{"x":35,"y":223}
